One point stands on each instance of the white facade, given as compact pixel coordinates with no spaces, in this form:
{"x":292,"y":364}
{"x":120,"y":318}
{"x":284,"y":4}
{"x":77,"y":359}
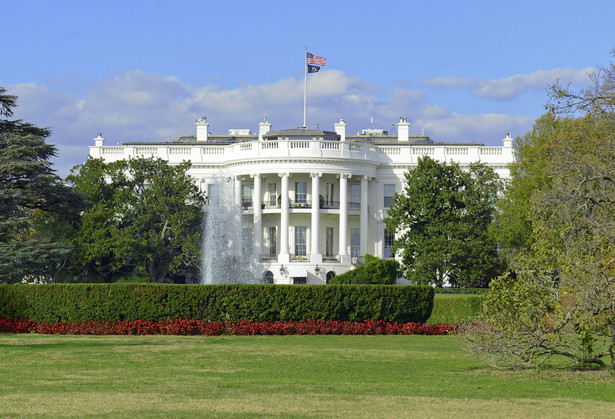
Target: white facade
{"x":315,"y":200}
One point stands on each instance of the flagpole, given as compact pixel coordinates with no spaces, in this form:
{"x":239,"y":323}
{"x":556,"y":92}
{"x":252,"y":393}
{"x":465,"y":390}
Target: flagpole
{"x":305,"y":88}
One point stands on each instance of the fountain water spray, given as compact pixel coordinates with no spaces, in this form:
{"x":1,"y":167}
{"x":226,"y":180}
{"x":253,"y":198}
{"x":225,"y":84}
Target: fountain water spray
{"x":225,"y":260}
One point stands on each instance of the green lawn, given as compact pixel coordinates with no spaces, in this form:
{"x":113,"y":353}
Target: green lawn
{"x":279,"y":376}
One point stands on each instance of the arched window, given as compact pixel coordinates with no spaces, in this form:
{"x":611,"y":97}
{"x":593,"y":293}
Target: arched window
{"x":268,"y":277}
{"x":330,"y":276}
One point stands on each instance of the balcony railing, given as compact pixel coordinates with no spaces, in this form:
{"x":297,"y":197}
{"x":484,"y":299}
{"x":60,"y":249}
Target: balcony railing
{"x":299,"y":204}
{"x":217,"y":153}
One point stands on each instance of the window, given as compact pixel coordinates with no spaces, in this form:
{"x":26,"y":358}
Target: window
{"x":273,"y":195}
{"x":330,"y":276}
{"x":246,"y":196}
{"x":273,"y":241}
{"x":389,"y":238}
{"x":355,"y":196}
{"x":329,"y":242}
{"x":246,"y":241}
{"x":300,"y":280}
{"x":268,"y":277}
{"x":355,"y":242}
{"x":300,"y":243}
{"x":329,"y":195}
{"x":213,"y":193}
{"x":301,"y":192}
{"x":389,"y":191}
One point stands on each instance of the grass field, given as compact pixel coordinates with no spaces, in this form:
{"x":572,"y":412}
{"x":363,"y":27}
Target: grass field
{"x":279,"y":376}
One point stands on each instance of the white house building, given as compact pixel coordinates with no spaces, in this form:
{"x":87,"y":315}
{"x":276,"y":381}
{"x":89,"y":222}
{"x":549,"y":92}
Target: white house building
{"x":313,"y":202}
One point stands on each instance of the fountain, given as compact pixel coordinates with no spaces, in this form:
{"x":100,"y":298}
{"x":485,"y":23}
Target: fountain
{"x":225,"y":261}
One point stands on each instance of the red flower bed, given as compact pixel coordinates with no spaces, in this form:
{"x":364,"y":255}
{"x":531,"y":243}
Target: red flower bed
{"x":216,"y":328}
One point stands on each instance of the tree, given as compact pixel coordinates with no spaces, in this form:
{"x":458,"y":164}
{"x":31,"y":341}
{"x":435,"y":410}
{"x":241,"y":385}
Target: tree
{"x":560,"y":308}
{"x":442,"y":224}
{"x":561,"y":303}
{"x":143,"y":216}
{"x":598,"y":100}
{"x":34,"y":203}
{"x":373,"y":271}
{"x":532,"y":172}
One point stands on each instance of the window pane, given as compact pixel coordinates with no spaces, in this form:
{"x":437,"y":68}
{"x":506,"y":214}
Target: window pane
{"x":301,"y":192}
{"x":247,"y":240}
{"x":355,"y":196}
{"x":389,"y":238}
{"x":213,"y":193}
{"x":273,"y":194}
{"x":355,"y":242}
{"x":389,"y":191}
{"x":329,"y":242}
{"x":329,"y":195}
{"x":246,"y":195}
{"x":273,"y":241}
{"x":300,"y":243}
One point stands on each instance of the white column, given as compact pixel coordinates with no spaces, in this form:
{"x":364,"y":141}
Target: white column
{"x":343,"y":247}
{"x":283,"y":256}
{"x":363,"y":214}
{"x":315,"y":253}
{"x":257,"y":227}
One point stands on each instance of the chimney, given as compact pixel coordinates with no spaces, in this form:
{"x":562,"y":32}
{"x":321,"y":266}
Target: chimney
{"x":403,"y":130}
{"x":507,"y":141}
{"x":99,"y":141}
{"x":263,"y":128}
{"x":340,"y":129}
{"x":201,"y":129}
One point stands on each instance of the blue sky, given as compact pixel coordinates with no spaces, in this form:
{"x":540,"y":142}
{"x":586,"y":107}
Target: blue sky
{"x":146,"y":70}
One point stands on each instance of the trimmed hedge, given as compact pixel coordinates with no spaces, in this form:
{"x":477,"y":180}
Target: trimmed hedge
{"x":461,"y":290}
{"x":454,"y":309}
{"x":99,"y":302}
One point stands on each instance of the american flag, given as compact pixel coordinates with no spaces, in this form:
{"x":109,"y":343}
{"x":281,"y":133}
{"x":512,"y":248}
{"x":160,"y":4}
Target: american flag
{"x":315,"y":60}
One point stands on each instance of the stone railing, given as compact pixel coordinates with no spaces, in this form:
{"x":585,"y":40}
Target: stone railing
{"x":302,"y":149}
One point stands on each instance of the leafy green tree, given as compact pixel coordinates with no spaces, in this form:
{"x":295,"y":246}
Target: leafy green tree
{"x":561,"y":303}
{"x":560,"y":309}
{"x":37,"y":211}
{"x":442,"y":224}
{"x":143,"y":215}
{"x":532,"y":172}
{"x":373,"y":271}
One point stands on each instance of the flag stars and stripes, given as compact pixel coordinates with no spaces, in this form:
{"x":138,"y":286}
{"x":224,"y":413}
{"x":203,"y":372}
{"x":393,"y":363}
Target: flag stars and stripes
{"x":315,"y":60}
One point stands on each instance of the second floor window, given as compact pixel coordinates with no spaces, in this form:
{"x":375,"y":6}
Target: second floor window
{"x":301,"y":192}
{"x":273,"y":194}
{"x":246,"y":196}
{"x":389,"y":191}
{"x":355,"y":196}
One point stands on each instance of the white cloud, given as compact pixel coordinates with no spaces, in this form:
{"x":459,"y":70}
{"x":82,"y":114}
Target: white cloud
{"x":138,"y":106}
{"x":485,"y":128}
{"x":511,"y":87}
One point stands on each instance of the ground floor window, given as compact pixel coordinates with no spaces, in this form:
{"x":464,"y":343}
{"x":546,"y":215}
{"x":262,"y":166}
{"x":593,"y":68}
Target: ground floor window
{"x":268,"y":277}
{"x":300,"y":241}
{"x":389,"y":238}
{"x":300,"y":280}
{"x":273,"y":241}
{"x":355,"y":242}
{"x":329,"y":242}
{"x":246,"y":241}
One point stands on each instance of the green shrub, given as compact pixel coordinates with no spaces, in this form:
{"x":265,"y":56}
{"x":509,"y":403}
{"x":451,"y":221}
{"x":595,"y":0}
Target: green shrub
{"x":454,"y":309}
{"x":82,"y":302}
{"x":373,"y":271}
{"x":461,"y":290}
